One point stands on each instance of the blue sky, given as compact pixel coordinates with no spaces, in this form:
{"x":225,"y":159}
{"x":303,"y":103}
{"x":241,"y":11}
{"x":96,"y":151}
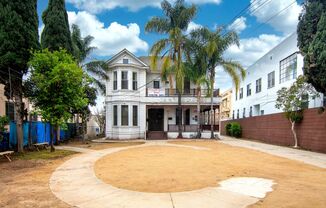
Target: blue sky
{"x":118,"y":24}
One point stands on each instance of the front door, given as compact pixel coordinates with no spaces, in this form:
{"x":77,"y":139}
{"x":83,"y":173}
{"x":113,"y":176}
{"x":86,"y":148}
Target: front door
{"x":156,"y":119}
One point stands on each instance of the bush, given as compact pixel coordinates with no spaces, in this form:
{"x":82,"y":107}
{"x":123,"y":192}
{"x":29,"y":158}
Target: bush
{"x":233,"y":129}
{"x":228,"y":129}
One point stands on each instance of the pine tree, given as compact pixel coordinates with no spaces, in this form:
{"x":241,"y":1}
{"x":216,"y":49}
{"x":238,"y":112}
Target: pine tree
{"x":312,"y":43}
{"x":56,"y":33}
{"x":18,"y":35}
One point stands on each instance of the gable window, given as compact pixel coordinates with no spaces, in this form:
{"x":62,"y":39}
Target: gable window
{"x":10,"y":110}
{"x":115,"y":80}
{"x":134,"y":81}
{"x":288,"y":68}
{"x":135,"y":115}
{"x":241,"y":93}
{"x":115,"y":115}
{"x":248,"y":89}
{"x":124,"y":115}
{"x":124,"y":80}
{"x":271,"y":79}
{"x":258,"y":85}
{"x":156,"y":84}
{"x":125,"y":61}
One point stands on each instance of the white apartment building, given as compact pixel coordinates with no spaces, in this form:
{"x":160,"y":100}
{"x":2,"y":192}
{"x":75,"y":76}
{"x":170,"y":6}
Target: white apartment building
{"x":278,"y":68}
{"x":140,"y":105}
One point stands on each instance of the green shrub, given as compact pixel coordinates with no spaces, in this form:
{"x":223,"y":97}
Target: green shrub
{"x":228,"y":129}
{"x":235,"y":130}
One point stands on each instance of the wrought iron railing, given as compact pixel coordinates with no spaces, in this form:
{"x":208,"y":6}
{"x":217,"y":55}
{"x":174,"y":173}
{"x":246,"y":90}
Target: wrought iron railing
{"x":160,"y":92}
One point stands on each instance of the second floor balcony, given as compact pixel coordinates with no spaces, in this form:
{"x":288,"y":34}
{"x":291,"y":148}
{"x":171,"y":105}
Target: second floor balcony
{"x":166,"y":92}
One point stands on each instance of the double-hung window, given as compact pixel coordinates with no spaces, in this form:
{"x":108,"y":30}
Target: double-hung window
{"x":135,"y":115}
{"x":124,"y":80}
{"x":258,"y":85}
{"x":115,"y":115}
{"x":134,"y":81}
{"x":115,"y":80}
{"x":241,"y":93}
{"x":124,"y":115}
{"x":248,"y":89}
{"x":271,"y":79}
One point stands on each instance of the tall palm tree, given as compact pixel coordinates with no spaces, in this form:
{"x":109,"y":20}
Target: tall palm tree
{"x":173,"y":24}
{"x":199,"y":78}
{"x":215,"y":45}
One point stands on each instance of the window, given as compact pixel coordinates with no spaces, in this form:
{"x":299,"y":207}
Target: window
{"x":134,"y":81}
{"x":238,"y":114}
{"x":244,"y":113}
{"x":236,"y":95}
{"x":258,"y":85}
{"x":248,"y":89}
{"x":115,"y":115}
{"x":233,"y":115}
{"x":156,"y":84}
{"x":115,"y":80}
{"x":135,"y":115}
{"x":305,"y":101}
{"x":271,"y":79}
{"x":288,"y":68}
{"x":262,"y":112}
{"x":10,"y":110}
{"x":241,"y":93}
{"x":178,"y":116}
{"x":124,"y":115}
{"x":124,"y":80}
{"x":250,"y":112}
{"x":125,"y":61}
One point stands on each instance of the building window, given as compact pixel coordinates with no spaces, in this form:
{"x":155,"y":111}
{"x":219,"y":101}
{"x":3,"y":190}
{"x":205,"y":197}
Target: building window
{"x":248,"y":89}
{"x":250,"y":112}
{"x":156,"y":84}
{"x":241,"y":93}
{"x":258,"y":85}
{"x":233,"y":115}
{"x":288,"y":68}
{"x":238,"y":114}
{"x":125,"y":61}
{"x":178,"y":116}
{"x":271,"y":79}
{"x":135,"y":115}
{"x":10,"y":111}
{"x":124,"y":115}
{"x":115,"y":115}
{"x":134,"y":80}
{"x":124,"y":80}
{"x":262,"y":112}
{"x":305,"y":101}
{"x":115,"y":80}
{"x":236,"y":95}
{"x":244,"y":113}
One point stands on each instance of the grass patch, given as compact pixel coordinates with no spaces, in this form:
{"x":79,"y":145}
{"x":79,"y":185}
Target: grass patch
{"x":43,"y":155}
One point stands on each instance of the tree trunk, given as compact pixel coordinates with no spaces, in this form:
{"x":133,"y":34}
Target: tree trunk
{"x":212,"y":107}
{"x":294,"y":134}
{"x":198,"y":113}
{"x":51,"y":138}
{"x":19,"y":121}
{"x":57,"y":129}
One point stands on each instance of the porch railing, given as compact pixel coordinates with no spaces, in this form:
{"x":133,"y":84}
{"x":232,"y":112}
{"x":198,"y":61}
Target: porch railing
{"x":190,"y":128}
{"x":152,"y":92}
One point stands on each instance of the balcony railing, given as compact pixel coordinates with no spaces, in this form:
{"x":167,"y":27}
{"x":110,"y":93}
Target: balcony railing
{"x":153,"y":92}
{"x":191,"y":128}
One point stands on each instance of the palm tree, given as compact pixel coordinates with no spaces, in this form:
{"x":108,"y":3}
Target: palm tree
{"x":174,"y":24}
{"x":96,"y":70}
{"x":199,"y":78}
{"x":215,"y":45}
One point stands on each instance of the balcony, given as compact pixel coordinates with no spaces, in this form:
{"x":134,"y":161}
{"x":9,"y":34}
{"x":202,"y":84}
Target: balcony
{"x":161,"y":92}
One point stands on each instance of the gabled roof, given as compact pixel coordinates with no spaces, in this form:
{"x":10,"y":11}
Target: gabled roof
{"x":125,"y":51}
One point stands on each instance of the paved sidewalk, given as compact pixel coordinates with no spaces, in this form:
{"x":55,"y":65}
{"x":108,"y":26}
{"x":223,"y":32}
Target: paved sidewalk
{"x":312,"y":158}
{"x":75,"y":183}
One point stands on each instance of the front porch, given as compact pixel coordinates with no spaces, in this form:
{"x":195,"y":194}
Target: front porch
{"x":162,"y":122}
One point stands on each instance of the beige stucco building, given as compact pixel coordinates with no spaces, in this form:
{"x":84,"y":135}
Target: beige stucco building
{"x":226,"y":105}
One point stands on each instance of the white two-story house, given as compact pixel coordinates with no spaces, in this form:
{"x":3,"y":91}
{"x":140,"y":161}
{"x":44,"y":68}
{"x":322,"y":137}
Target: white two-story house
{"x":139,"y":105}
{"x":278,"y":68}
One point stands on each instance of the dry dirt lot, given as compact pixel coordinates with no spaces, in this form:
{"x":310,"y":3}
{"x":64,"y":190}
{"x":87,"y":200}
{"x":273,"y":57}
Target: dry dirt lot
{"x":100,"y":146}
{"x":173,"y":169}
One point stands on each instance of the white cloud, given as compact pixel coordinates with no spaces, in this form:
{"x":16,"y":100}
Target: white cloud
{"x":108,"y":40}
{"x":192,"y":26}
{"x":285,"y":22}
{"x":250,"y":50}
{"x":238,"y":25}
{"x":97,"y":6}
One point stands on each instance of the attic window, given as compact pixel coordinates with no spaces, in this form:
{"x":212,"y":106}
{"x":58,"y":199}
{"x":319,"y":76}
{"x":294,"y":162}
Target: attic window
{"x":125,"y":61}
